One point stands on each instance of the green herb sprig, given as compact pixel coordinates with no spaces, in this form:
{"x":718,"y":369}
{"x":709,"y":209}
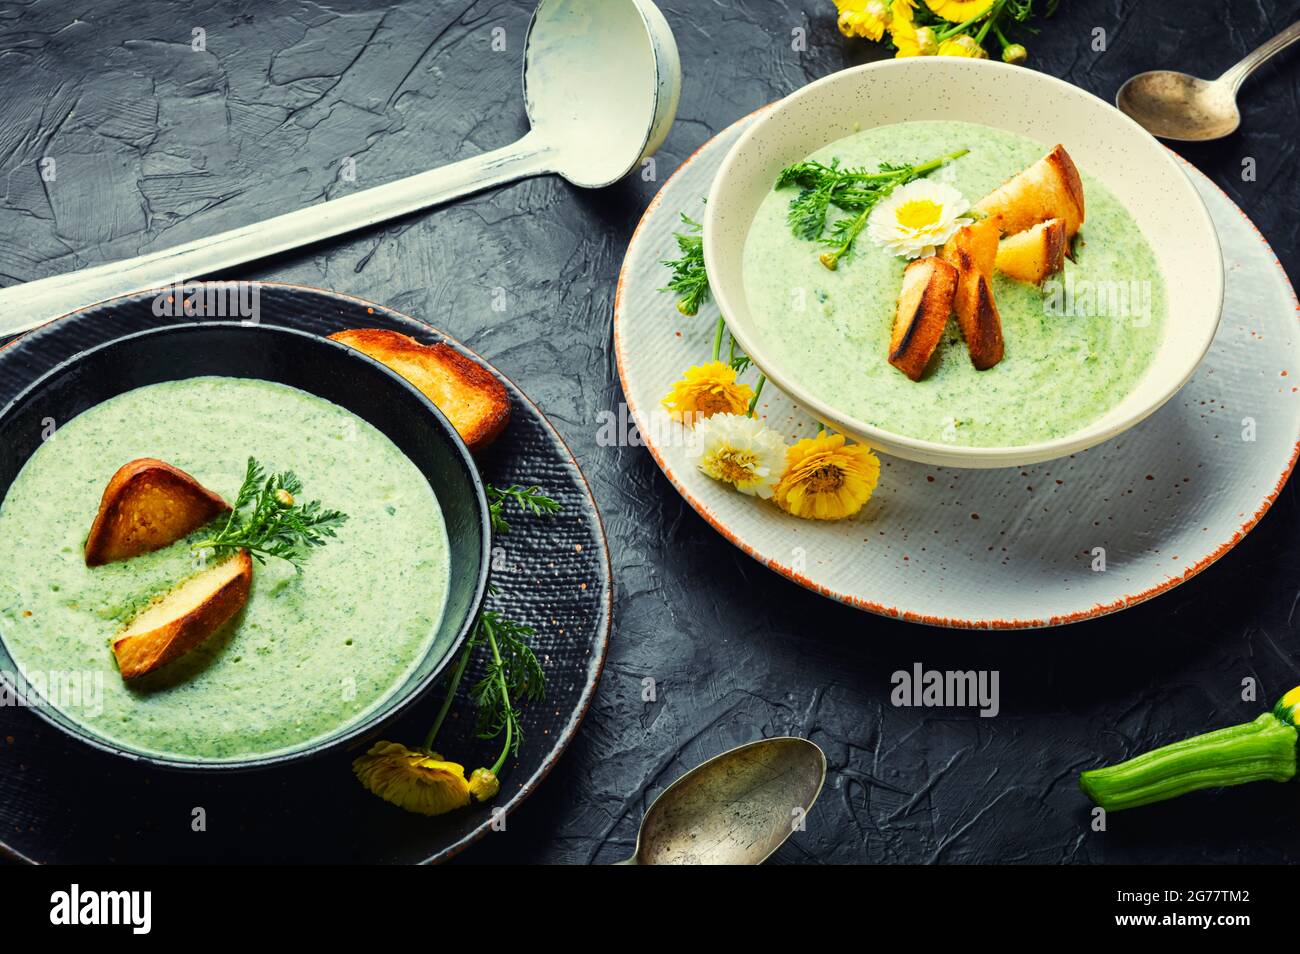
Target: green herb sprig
{"x":689,"y":281}
{"x":855,"y":191}
{"x":528,"y":499}
{"x":268,"y":522}
{"x":513,"y":673}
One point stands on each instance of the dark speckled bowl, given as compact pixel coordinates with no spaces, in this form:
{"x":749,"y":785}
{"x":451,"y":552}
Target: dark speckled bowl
{"x":313,"y":364}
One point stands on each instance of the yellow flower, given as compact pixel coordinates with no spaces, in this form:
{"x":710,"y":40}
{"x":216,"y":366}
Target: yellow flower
{"x":864,"y":18}
{"x":1288,"y":707}
{"x":420,"y":781}
{"x":705,"y":390}
{"x":826,"y":478}
{"x":959,"y":11}
{"x":1292,"y":698}
{"x":962,"y":45}
{"x":910,"y":39}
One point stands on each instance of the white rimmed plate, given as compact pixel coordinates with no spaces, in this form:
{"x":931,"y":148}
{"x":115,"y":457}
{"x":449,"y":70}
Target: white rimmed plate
{"x":1011,"y":547}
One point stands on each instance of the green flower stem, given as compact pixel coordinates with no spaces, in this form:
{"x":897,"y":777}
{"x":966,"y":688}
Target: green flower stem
{"x":505,"y":693}
{"x":456,"y":675}
{"x":717,"y":337}
{"x":758,"y":391}
{"x":990,"y":22}
{"x":961,"y":27}
{"x":1263,"y":750}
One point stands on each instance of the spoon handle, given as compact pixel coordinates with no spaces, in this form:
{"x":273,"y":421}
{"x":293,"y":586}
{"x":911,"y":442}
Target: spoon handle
{"x":1253,"y":60}
{"x":33,"y":303}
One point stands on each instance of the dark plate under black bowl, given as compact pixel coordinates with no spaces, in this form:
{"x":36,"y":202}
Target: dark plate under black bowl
{"x":62,"y":801}
{"x":310,"y":363}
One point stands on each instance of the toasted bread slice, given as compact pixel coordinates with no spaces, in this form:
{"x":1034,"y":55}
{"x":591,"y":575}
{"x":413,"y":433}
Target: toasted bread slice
{"x":1030,"y":256}
{"x":172,"y":626}
{"x":148,"y":504}
{"x":475,"y":402}
{"x":924,"y":304}
{"x":1049,"y":189}
{"x":973,"y":251}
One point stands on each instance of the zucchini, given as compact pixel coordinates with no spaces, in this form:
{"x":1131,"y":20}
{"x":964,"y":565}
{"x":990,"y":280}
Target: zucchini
{"x":1262,"y":750}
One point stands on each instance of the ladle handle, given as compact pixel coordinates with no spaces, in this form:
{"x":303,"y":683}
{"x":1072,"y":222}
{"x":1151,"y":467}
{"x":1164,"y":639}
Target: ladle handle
{"x":33,"y":303}
{"x":1253,"y":60}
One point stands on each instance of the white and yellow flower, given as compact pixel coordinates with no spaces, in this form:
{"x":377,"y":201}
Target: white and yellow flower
{"x":740,"y":451}
{"x":916,"y":219}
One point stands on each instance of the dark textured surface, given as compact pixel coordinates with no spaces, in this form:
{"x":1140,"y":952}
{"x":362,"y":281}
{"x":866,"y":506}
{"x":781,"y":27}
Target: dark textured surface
{"x":551,"y":573}
{"x":156,"y":144}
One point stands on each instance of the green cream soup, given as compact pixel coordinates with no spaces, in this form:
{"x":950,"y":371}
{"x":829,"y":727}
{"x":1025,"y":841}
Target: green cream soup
{"x":1074,"y":347}
{"x":310,"y":653}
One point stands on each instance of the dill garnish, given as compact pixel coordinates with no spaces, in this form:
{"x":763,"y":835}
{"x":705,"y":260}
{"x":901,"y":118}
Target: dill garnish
{"x":267,"y":520}
{"x":689,"y":280}
{"x":852,"y":190}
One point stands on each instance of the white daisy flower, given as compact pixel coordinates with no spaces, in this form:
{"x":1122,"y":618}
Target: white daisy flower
{"x":740,"y":451}
{"x":916,"y":219}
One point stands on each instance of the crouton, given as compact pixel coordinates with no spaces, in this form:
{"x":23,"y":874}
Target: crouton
{"x":1030,"y":256}
{"x":148,"y":504}
{"x":924,"y":304}
{"x":1049,"y":189}
{"x":475,"y":402}
{"x":973,"y":251}
{"x":185,"y":617}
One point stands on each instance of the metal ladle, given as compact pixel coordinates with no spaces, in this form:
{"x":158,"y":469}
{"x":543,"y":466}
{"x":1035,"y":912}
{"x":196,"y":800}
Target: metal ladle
{"x":736,"y":808}
{"x":602,"y":80}
{"x":1174,"y":105}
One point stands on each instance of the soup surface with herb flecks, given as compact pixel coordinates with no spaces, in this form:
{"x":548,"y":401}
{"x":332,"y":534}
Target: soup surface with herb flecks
{"x":1074,"y":348}
{"x":311,"y":653}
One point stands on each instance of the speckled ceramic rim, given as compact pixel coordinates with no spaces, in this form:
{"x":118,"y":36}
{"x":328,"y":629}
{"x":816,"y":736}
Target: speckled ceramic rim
{"x":603,"y":625}
{"x":1190,"y":350}
{"x":880,"y":609}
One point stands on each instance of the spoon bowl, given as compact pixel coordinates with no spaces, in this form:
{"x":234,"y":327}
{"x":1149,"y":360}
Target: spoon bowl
{"x":736,"y":808}
{"x":601,"y":85}
{"x":1177,"y":106}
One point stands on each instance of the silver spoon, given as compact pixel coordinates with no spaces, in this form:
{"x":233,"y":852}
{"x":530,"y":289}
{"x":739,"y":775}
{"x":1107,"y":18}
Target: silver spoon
{"x":601,"y":84}
{"x":1177,"y":106}
{"x":735,"y":809}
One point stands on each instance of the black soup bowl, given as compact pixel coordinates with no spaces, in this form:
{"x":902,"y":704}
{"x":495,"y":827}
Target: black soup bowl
{"x":320,"y":367}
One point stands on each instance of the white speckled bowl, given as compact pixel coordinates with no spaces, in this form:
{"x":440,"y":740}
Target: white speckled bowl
{"x":1103,"y":142}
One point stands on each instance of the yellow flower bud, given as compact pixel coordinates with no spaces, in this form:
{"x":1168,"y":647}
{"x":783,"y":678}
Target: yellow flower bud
{"x":926,"y":42}
{"x":284,"y":498}
{"x":1015,"y":53}
{"x":963,"y":45}
{"x":483,"y":784}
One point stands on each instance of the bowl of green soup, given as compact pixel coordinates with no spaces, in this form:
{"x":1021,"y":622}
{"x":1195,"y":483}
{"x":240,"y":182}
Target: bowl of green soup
{"x":320,"y":655}
{"x":799,"y":258}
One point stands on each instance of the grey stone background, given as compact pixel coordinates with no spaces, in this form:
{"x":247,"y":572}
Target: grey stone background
{"x":157,"y":144}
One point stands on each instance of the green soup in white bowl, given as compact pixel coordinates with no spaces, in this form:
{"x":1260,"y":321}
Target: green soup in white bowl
{"x":1092,"y":351}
